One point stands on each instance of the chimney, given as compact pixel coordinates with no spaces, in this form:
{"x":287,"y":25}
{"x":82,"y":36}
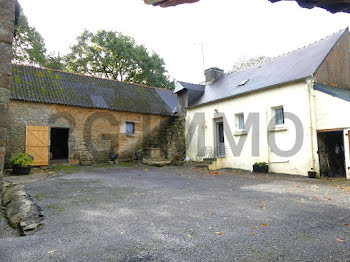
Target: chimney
{"x":212,"y":74}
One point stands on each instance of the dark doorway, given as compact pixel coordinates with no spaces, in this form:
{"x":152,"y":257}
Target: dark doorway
{"x":331,"y":154}
{"x":220,"y":139}
{"x":59,"y":143}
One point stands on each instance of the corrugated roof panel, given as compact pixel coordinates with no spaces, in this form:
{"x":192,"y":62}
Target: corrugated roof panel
{"x":98,"y":101}
{"x":50,"y":86}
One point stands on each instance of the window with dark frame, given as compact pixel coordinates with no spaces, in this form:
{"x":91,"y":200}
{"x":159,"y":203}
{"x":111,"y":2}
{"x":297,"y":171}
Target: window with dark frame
{"x":130,"y":128}
{"x":279,"y":116}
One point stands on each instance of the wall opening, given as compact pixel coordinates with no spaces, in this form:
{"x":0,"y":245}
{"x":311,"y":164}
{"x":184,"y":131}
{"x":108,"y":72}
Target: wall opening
{"x":220,"y":138}
{"x":59,"y":144}
{"x":331,"y":154}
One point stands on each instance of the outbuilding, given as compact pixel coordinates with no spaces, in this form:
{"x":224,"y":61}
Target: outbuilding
{"x":63,"y":117}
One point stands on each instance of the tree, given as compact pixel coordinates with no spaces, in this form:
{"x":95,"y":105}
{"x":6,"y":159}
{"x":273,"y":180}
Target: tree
{"x":246,"y":63}
{"x":29,"y":47}
{"x":54,"y":62}
{"x":115,"y":56}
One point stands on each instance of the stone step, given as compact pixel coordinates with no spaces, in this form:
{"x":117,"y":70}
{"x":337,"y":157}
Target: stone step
{"x":209,"y":159}
{"x":206,"y":162}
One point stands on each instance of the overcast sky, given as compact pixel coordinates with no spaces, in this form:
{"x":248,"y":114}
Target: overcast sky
{"x":228,"y":29}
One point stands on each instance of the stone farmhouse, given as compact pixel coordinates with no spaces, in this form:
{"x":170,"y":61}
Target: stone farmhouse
{"x":291,"y":112}
{"x":55,"y":115}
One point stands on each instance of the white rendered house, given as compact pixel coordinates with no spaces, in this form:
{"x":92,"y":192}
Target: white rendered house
{"x":292,"y":112}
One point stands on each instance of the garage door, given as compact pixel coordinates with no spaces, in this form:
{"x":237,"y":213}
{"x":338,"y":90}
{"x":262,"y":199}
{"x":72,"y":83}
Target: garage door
{"x":37,"y":144}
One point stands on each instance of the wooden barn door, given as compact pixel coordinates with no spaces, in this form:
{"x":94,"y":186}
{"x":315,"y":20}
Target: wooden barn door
{"x":37,"y":144}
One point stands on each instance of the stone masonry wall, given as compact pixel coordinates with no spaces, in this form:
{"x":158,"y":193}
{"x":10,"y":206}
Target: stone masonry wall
{"x":171,"y":139}
{"x":7,"y":23}
{"x":99,"y":131}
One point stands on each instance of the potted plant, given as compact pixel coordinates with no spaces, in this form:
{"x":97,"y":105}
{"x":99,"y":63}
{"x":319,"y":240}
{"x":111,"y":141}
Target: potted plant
{"x":177,"y":160}
{"x":261,"y":167}
{"x":21,"y":164}
{"x":113,"y":158}
{"x":312,"y":174}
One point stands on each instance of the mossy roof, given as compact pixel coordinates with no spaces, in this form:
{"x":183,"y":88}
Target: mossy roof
{"x":49,"y":86}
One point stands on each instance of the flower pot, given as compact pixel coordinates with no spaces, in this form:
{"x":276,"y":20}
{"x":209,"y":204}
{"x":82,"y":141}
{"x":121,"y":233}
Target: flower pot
{"x":312,"y":174}
{"x":20,"y":170}
{"x":256,"y":168}
{"x":260,"y":169}
{"x":264,"y":169}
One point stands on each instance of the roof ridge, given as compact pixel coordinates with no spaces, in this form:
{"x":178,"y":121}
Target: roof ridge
{"x":190,"y":83}
{"x":312,"y":43}
{"x":292,"y":51}
{"x":78,"y":74}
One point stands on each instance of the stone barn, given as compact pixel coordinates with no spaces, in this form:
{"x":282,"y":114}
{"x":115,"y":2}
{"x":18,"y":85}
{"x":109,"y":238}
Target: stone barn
{"x":64,"y":117}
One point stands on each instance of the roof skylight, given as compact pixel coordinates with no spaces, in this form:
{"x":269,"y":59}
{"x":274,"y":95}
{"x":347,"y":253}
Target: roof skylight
{"x":243,"y":82}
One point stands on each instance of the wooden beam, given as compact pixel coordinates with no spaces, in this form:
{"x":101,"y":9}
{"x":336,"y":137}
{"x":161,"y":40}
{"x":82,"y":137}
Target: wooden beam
{"x":333,"y":6}
{"x":167,"y":3}
{"x":330,"y":130}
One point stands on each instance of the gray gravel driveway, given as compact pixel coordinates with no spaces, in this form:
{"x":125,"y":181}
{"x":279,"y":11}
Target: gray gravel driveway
{"x":183,"y":214}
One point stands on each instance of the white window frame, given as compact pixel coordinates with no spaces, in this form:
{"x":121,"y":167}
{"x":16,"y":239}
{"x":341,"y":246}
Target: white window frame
{"x":238,"y":122}
{"x":277,"y":114}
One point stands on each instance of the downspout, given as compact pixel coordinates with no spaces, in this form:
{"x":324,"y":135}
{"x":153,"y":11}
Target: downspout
{"x":267,"y":135}
{"x":313,"y":134}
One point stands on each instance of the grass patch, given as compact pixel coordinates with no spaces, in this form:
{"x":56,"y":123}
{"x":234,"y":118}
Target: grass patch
{"x":54,"y":207}
{"x":102,"y":165}
{"x":127,"y":164}
{"x":38,"y":197}
{"x":120,"y":164}
{"x":66,"y":169}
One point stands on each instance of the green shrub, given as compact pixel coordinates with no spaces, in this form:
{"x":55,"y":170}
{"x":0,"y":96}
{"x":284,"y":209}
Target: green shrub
{"x":260,"y":164}
{"x":22,"y":159}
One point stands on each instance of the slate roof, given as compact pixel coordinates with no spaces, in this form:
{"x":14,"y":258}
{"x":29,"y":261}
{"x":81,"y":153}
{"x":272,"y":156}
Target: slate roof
{"x":49,"y":86}
{"x":169,"y":97}
{"x":293,"y":66}
{"x":184,"y":85}
{"x":333,"y":91}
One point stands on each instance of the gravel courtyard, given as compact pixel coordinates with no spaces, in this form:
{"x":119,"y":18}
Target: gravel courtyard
{"x":184,"y":214}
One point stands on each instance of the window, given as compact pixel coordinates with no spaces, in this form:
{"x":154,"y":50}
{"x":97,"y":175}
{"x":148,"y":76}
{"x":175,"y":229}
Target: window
{"x":243,"y":82}
{"x":279,"y":116}
{"x":130,"y":128}
{"x":240,"y":121}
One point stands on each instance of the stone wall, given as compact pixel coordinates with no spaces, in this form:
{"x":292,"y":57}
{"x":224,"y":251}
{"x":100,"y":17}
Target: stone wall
{"x":171,"y":139}
{"x":7,"y":23}
{"x":99,"y":131}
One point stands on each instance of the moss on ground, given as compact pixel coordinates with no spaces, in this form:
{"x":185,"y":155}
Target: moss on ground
{"x":120,"y":164}
{"x":127,"y":164}
{"x":38,"y":197}
{"x":66,"y":169}
{"x":75,"y":169}
{"x":55,"y":207}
